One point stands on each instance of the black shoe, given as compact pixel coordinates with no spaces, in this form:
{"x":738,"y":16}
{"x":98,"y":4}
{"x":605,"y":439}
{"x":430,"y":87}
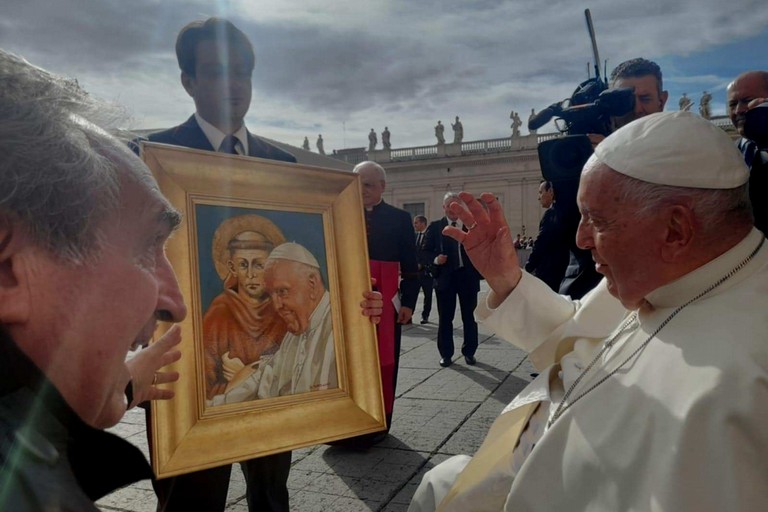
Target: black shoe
{"x":424,"y":321}
{"x":470,"y":360}
{"x":445,"y":363}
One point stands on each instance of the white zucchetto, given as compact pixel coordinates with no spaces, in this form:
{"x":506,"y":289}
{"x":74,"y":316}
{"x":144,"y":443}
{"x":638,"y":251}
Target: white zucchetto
{"x":293,"y":252}
{"x":678,"y":149}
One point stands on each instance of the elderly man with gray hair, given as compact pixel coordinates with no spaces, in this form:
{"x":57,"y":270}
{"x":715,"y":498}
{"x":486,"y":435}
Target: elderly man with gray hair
{"x":83,"y":279}
{"x":653,"y":392}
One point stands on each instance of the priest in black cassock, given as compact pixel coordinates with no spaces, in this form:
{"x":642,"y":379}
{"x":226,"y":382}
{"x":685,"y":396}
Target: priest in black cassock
{"x":390,"y":245}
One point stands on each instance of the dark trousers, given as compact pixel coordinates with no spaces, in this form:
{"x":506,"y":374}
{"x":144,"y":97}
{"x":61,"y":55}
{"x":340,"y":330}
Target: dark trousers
{"x":266,"y":490}
{"x":398,"y":339}
{"x":463,"y":285}
{"x":426,"y":284}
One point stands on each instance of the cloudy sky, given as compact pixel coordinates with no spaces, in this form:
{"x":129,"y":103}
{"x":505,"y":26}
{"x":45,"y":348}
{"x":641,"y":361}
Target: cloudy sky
{"x":342,"y":67}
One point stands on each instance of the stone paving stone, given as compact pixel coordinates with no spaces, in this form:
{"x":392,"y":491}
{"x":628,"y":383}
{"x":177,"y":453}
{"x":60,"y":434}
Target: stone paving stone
{"x":129,"y":499}
{"x":424,"y":424}
{"x":403,"y":497}
{"x":456,"y":385}
{"x":409,"y":378}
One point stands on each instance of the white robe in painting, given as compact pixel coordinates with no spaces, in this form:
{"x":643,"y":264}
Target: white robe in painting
{"x":681,"y":427}
{"x":304,"y":362}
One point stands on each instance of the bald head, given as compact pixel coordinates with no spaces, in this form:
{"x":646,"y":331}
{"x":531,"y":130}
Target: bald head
{"x":748,"y":86}
{"x":373,"y":180}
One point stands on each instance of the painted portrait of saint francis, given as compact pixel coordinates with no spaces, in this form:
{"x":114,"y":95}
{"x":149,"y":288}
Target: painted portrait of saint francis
{"x":241,"y":325}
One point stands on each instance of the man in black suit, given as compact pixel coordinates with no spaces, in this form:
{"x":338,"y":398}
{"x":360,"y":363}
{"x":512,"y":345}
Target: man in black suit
{"x":550,"y":254}
{"x":426,"y":283}
{"x":216,"y":61}
{"x":456,"y":277}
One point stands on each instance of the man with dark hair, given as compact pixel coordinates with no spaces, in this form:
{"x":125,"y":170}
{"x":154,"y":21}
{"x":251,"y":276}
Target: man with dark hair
{"x":216,"y":61}
{"x":749,"y":90}
{"x":549,"y":257}
{"x":645,"y":77}
{"x":426,"y":282}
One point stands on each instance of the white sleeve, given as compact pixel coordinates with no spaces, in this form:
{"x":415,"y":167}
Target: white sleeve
{"x":536,"y":319}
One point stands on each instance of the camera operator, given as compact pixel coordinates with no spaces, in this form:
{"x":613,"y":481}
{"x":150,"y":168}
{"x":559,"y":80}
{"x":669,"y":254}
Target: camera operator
{"x":745,"y":94}
{"x":644,"y":76}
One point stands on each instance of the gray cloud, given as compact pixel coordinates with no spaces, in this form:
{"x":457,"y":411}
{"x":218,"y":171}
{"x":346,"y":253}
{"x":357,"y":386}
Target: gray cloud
{"x":343,"y":67}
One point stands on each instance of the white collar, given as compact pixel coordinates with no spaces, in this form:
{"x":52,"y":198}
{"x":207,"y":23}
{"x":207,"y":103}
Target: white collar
{"x":682,"y":289}
{"x":458,"y":222}
{"x":216,"y":136}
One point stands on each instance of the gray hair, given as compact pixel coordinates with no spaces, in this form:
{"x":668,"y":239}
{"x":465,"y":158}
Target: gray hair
{"x":373,"y":165}
{"x":717,"y":211}
{"x":57,"y":171}
{"x":451,"y":195}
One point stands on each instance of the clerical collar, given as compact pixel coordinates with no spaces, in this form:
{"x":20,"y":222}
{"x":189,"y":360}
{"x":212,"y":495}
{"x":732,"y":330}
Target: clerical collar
{"x":374,"y":206}
{"x":682,"y":289}
{"x":216,"y":136}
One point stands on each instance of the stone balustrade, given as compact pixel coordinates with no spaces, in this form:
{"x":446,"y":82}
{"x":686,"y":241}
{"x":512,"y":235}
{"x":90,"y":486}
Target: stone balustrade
{"x":474,"y":147}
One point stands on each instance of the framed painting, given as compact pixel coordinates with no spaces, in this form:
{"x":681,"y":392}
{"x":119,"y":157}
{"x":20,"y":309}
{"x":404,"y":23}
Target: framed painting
{"x":272,"y":262}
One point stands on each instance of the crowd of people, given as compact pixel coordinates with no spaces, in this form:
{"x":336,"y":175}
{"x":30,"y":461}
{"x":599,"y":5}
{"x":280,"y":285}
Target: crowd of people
{"x":648,"y":335}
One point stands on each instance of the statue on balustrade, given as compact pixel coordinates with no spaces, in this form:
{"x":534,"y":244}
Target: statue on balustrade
{"x":372,"y":140}
{"x":458,"y":131}
{"x":440,"y":133}
{"x":385,"y":138}
{"x":516,"y":123}
{"x":685,"y":103}
{"x":704,"y":105}
{"x":533,"y":113}
{"x":305,"y":146}
{"x":319,"y":144}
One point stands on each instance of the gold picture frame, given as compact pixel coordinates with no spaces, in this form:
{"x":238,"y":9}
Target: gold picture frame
{"x":191,"y":432}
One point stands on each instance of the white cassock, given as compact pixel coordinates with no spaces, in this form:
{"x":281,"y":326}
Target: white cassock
{"x":304,"y":362}
{"x":683,"y":426}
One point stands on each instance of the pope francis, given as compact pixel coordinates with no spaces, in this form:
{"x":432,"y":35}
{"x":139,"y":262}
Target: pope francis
{"x":653,"y":389}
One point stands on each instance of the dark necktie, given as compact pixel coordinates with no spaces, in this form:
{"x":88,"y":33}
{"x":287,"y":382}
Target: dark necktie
{"x":419,"y":239}
{"x":458,"y":247}
{"x":229,"y":145}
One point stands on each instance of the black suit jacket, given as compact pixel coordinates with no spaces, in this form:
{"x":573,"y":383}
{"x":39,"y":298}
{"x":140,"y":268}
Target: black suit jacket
{"x":549,"y":257}
{"x":190,"y":135}
{"x":390,"y":238}
{"x":436,"y":243}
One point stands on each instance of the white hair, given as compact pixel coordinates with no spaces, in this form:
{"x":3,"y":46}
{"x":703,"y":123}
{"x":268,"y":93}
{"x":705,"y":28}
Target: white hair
{"x":369,"y":164}
{"x":717,"y":211}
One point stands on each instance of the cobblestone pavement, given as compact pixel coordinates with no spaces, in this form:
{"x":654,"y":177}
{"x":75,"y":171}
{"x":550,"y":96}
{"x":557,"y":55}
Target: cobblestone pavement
{"x":439,"y":412}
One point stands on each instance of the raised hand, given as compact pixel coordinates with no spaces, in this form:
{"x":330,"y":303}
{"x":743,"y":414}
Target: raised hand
{"x":145,"y":368}
{"x":488,"y":242}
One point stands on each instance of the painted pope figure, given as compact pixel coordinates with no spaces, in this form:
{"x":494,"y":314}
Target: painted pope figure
{"x":306,"y":360}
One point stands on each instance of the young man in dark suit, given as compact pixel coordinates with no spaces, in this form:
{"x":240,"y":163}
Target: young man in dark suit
{"x":457,"y":278}
{"x":426,"y":283}
{"x":217,"y":61}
